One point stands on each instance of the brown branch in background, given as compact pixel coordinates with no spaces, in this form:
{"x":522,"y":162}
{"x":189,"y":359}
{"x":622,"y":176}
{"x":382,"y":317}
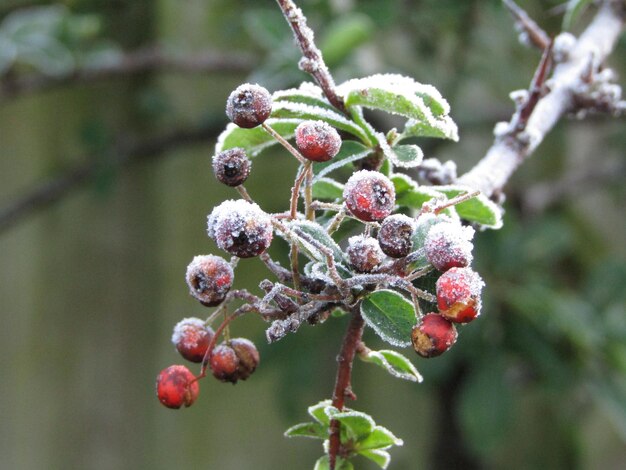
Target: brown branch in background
{"x":537,"y":36}
{"x":512,"y":146}
{"x":54,"y":189}
{"x":343,"y":387}
{"x":312,"y":62}
{"x":131,"y":63}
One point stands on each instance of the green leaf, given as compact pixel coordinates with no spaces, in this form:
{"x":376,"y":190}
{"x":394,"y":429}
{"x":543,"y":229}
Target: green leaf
{"x":379,"y":457}
{"x":313,"y":430}
{"x":401,"y":95}
{"x":407,"y":156}
{"x":394,"y":363}
{"x":306,"y":93}
{"x":379,"y":438}
{"x":390,"y":315}
{"x":358,"y":424}
{"x":416,"y":196}
{"x":317,"y":412}
{"x":326,"y":188}
{"x":442,"y":127}
{"x":349,"y":152}
{"x":344,"y":35}
{"x":573,"y":11}
{"x":341,"y":464}
{"x":317,"y":232}
{"x":291,"y":110}
{"x":253,"y":141}
{"x":402,"y":183}
{"x":479,"y":209}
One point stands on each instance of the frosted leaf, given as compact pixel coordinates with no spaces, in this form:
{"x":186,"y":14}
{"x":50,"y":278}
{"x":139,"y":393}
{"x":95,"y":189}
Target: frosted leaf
{"x":380,"y":438}
{"x":394,"y":363}
{"x":257,"y":139}
{"x":407,"y":156}
{"x":441,"y":126}
{"x":380,"y":457}
{"x":340,"y":160}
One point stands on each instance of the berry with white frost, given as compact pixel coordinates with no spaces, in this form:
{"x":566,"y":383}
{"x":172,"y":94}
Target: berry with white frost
{"x":231,"y":167}
{"x":209,"y":279}
{"x":191,"y":338}
{"x":449,"y":245}
{"x":317,"y":140}
{"x":249,"y":105}
{"x":369,"y":195}
{"x":364,"y":253}
{"x":458,"y":294}
{"x":394,"y":236}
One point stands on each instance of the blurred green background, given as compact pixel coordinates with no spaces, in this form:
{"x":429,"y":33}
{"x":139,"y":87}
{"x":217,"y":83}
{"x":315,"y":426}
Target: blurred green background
{"x":114,"y":171}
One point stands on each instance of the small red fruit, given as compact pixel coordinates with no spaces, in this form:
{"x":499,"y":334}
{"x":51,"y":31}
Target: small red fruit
{"x":209,"y":279}
{"x":369,"y":195}
{"x":394,"y":236}
{"x":249,"y":105}
{"x":231,"y":167}
{"x":191,"y":338}
{"x":448,"y":245}
{"x":176,"y":386}
{"x":364,"y":253}
{"x":317,"y":140}
{"x":458,"y":294}
{"x":224,"y":363}
{"x":433,"y":336}
{"x":248,"y":356}
{"x":240,"y":228}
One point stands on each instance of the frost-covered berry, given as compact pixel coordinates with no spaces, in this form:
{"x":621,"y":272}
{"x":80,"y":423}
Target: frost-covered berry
{"x":449,"y":245}
{"x":317,"y":140}
{"x":248,"y":356}
{"x":369,"y":195}
{"x":231,"y":167}
{"x":394,"y":236}
{"x":433,"y":336}
{"x":209,"y":279}
{"x":176,"y":386}
{"x":364,"y":253}
{"x":224,"y":363}
{"x":458,"y":294}
{"x":191,"y":338}
{"x":249,"y":105}
{"x":241,"y":228}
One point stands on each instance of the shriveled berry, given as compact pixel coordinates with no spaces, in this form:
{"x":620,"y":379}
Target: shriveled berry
{"x":231,"y":167}
{"x":369,"y":195}
{"x":433,"y":336}
{"x":458,"y":294}
{"x":317,"y":140}
{"x":364,"y":253}
{"x":249,"y":105}
{"x":394,"y":236}
{"x":224,"y":363}
{"x":191,"y":338}
{"x":176,"y":386}
{"x":248,"y":356}
{"x":449,"y":245}
{"x":209,"y":279}
{"x":241,"y":228}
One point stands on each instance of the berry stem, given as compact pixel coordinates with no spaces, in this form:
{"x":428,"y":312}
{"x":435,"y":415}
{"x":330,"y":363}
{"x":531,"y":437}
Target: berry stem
{"x":308,"y":193}
{"x":342,"y":389}
{"x":295,"y":191}
{"x":244,"y":193}
{"x":282,"y":141}
{"x":336,"y":221}
{"x":312,"y":62}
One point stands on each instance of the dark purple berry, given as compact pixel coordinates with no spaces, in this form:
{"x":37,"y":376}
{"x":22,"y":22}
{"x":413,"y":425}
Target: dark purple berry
{"x":317,"y":140}
{"x":364,"y":253}
{"x":224,"y":363}
{"x":248,"y":357}
{"x":231,"y":167}
{"x":249,"y":105}
{"x":394,"y":236}
{"x":241,"y":228}
{"x":369,"y":195}
{"x":209,"y":279}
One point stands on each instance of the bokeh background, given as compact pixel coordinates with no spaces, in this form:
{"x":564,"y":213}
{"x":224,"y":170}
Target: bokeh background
{"x":109,"y":111}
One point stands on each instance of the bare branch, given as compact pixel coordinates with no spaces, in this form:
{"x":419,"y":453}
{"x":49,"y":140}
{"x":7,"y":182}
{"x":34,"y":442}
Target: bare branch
{"x":537,"y":36}
{"x":510,"y":149}
{"x":51,"y":191}
{"x":131,"y":63}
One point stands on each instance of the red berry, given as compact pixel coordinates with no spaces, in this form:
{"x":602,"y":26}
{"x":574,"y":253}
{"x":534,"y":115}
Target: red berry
{"x":369,"y":195}
{"x":231,"y":167}
{"x":176,"y":386}
{"x":364,"y":253}
{"x":191,"y":338}
{"x":241,"y":228}
{"x":433,"y":336}
{"x":209,"y":279}
{"x":394,"y":236}
{"x":224,"y":363}
{"x":448,"y":245}
{"x":248,"y":356}
{"x":458,"y":294}
{"x":317,"y":140}
{"x":249,"y":105}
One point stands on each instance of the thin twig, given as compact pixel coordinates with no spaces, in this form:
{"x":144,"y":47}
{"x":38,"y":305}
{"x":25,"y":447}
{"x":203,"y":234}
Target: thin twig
{"x":538,"y":37}
{"x":290,"y":148}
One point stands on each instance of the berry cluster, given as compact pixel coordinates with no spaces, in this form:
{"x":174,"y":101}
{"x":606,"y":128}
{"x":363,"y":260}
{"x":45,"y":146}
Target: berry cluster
{"x":383,"y":255}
